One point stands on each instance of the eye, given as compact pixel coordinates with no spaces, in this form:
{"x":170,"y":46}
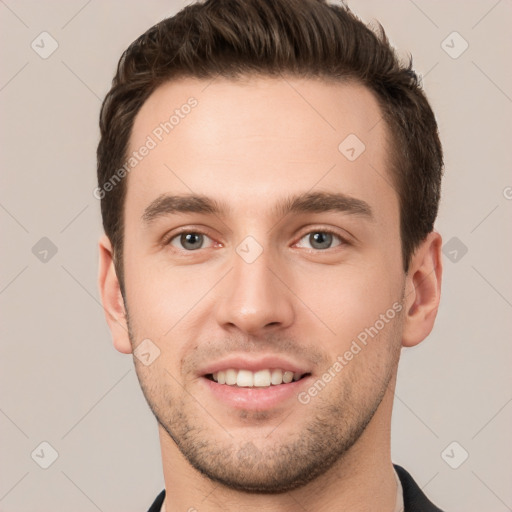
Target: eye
{"x":190,"y":240}
{"x":320,"y":240}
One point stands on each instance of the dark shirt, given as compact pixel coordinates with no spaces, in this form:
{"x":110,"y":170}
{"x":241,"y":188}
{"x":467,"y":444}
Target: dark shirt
{"x":414,"y":499}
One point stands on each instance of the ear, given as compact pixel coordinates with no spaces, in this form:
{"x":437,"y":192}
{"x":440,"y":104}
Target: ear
{"x":422,"y":290}
{"x":111,"y":297}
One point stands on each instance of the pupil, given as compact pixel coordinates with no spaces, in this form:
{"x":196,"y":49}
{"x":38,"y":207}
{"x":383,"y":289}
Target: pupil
{"x":322,"y":240}
{"x":190,"y":240}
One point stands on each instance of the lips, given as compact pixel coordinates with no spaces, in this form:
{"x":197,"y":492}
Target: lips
{"x":255,"y":398}
{"x":254,"y":383}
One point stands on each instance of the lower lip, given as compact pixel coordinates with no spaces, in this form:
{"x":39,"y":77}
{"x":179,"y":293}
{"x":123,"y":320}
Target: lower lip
{"x":255,"y":398}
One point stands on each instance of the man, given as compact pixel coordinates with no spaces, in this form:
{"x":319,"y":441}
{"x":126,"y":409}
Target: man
{"x":269,"y":176}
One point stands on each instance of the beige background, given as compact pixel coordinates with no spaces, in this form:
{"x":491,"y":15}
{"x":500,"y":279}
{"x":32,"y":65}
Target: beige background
{"x":62,"y":382}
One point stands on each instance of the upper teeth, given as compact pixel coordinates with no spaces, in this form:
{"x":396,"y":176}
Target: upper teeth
{"x":261,"y":378}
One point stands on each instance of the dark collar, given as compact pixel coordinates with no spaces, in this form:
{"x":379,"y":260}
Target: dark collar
{"x":157,"y":504}
{"x":414,"y":498}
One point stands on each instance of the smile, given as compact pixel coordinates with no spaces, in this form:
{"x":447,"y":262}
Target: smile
{"x":258,"y":379}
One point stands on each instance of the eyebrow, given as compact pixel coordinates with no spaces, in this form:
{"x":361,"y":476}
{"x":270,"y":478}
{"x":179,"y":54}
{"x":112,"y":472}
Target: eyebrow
{"x":308,"y":202}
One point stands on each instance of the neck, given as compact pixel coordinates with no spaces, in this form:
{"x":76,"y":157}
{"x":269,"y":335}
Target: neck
{"x":362,"y":481}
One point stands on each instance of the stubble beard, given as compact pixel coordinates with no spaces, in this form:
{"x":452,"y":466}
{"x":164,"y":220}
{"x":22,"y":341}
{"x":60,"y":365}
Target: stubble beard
{"x":335,"y":421}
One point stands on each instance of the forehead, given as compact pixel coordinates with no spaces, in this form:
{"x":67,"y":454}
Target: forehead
{"x":257,"y":138}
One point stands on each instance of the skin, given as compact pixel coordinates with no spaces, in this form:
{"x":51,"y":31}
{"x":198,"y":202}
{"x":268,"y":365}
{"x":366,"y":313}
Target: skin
{"x":251,"y":144}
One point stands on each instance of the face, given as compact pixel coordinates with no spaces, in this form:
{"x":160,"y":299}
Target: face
{"x":258,"y":249}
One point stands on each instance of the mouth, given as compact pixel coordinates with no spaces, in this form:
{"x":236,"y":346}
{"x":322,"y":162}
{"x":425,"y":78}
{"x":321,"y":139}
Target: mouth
{"x":262,"y":383}
{"x":261,"y":390}
{"x":265,"y":378}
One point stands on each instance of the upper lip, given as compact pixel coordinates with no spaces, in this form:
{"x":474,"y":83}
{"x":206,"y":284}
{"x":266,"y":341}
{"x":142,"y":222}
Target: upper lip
{"x":243,"y":362}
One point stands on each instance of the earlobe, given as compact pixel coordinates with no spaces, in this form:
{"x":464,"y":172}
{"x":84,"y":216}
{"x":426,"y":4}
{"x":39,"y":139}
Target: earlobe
{"x":423,"y":290}
{"x":111,"y":297}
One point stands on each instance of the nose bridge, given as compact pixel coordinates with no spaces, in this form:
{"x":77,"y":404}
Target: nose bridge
{"x":253,"y":298}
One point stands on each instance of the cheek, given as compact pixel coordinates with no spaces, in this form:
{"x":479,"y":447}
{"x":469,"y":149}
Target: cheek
{"x":172,"y":306}
{"x":344,"y":300}
{"x":160,"y":385}
{"x":159,"y":294}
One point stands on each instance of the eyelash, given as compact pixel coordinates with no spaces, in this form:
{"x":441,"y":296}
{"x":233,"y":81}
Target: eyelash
{"x":343,"y":240}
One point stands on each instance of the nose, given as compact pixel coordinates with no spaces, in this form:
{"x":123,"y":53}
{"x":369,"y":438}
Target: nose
{"x":254,"y":297}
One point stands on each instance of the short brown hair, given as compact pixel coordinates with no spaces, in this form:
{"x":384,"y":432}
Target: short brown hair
{"x":303,"y":38}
